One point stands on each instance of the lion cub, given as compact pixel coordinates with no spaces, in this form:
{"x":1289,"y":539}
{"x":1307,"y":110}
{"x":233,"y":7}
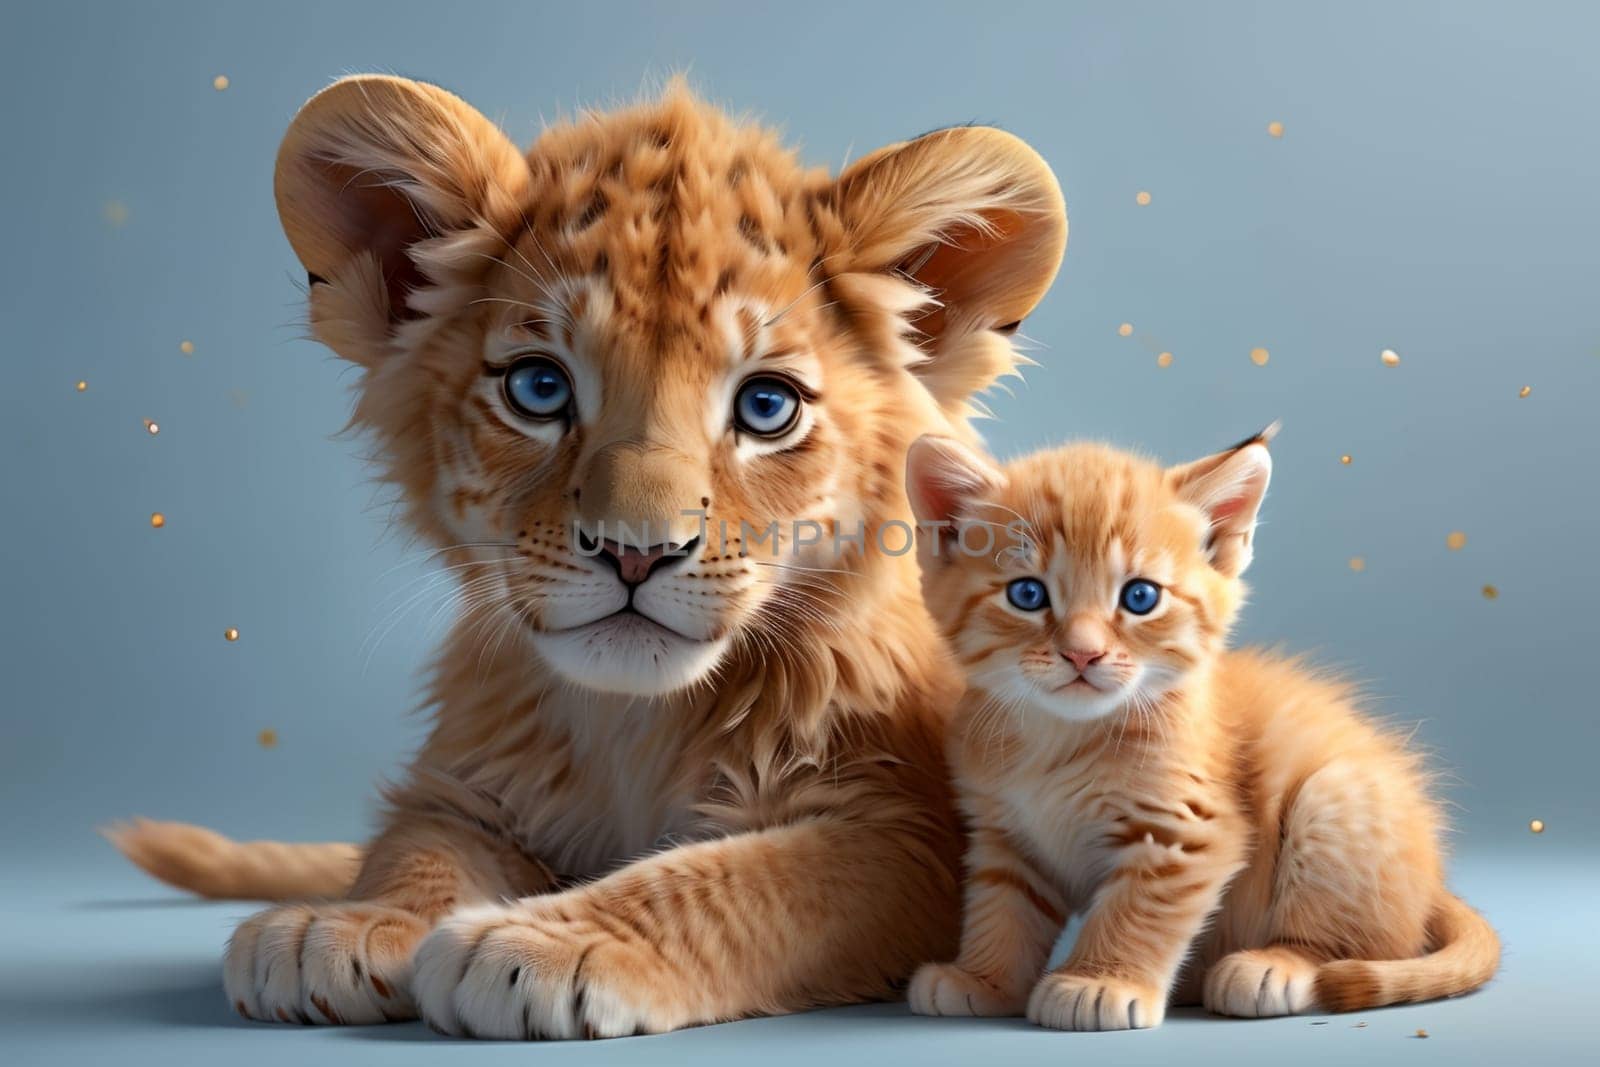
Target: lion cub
{"x":1232,"y":828}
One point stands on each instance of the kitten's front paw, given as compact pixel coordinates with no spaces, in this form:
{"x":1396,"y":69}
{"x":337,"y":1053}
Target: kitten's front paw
{"x":535,"y":970}
{"x":337,"y":963}
{"x":1259,"y":983}
{"x":1074,"y":1002}
{"x":945,"y":989}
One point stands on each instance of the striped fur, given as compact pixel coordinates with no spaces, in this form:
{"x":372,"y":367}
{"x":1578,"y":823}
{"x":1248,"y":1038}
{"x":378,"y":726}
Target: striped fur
{"x":732,"y":802}
{"x":1230,"y":825}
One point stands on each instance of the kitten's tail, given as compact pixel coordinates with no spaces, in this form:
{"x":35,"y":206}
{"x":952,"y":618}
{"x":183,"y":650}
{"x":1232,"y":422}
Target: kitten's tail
{"x":204,"y":862}
{"x":1466,"y":955}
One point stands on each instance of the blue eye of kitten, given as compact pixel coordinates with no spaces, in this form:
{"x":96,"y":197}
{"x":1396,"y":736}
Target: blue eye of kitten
{"x":538,"y":388}
{"x":766,"y":407}
{"x":1027,"y":594}
{"x":1141,"y":596}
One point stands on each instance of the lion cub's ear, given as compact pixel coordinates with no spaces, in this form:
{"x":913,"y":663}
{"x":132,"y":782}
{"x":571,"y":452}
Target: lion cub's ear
{"x":976,"y":217}
{"x":391,"y":192}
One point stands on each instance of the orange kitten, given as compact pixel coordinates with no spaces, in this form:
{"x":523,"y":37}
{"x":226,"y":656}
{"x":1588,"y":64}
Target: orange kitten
{"x":1231,"y":827}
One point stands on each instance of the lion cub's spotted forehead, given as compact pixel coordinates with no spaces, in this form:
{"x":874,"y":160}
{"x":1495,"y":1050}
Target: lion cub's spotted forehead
{"x":673,"y":216}
{"x":1103,"y":507}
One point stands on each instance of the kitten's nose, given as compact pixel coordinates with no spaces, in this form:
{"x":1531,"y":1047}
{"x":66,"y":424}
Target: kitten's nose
{"x":1083,"y":640}
{"x":1083,"y":658}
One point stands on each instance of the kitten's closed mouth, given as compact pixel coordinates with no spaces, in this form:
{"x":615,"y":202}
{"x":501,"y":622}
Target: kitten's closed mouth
{"x":1079,"y":682}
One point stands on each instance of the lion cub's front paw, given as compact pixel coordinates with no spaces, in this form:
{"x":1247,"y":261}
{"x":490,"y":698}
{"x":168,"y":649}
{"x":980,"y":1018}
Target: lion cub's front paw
{"x":945,"y":989}
{"x":1074,"y":1002}
{"x":337,"y":963}
{"x":537,"y":970}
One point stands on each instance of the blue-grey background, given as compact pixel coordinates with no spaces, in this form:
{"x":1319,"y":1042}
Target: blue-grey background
{"x":1434,"y":192}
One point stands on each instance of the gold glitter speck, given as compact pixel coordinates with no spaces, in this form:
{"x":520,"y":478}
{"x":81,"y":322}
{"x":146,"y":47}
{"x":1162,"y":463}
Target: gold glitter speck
{"x":1456,"y":541}
{"x":1142,"y":198}
{"x":1390,"y":357}
{"x":1421,"y":1032}
{"x":115,"y":212}
{"x":82,"y":385}
{"x":231,"y":634}
{"x":157,"y":519}
{"x":186,"y":347}
{"x":1490,"y":592}
{"x":220,"y":82}
{"x":1537,"y":826}
{"x":151,"y":428}
{"x":1125,"y":330}
{"x":1525,"y":390}
{"x":1358,"y":564}
{"x":1164,"y":359}
{"x":1345,"y":459}
{"x":267,"y":738}
{"x":1275,"y":129}
{"x":1259,"y":356}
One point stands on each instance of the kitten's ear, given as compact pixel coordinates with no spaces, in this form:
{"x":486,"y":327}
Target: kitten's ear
{"x":975,"y":216}
{"x":391,"y":192}
{"x":945,"y":478}
{"x":1229,"y":488}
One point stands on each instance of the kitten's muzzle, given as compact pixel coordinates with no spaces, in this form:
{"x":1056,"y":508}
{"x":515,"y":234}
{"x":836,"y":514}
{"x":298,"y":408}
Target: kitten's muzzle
{"x":1083,"y":658}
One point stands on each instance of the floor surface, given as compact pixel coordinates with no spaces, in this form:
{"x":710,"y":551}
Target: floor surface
{"x":99,"y":965}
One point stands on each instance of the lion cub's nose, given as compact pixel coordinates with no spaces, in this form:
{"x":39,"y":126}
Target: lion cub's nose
{"x":634,"y":565}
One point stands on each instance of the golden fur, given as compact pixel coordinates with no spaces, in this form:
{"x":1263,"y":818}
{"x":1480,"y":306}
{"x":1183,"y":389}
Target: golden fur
{"x":1231,"y":827}
{"x":620,"y":825}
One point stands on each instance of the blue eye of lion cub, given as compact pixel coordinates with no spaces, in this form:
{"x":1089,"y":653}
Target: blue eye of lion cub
{"x":766,"y":407}
{"x":538,"y":388}
{"x":1027,"y":594}
{"x":1141,"y":596}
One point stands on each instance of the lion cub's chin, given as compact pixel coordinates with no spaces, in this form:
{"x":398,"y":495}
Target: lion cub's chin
{"x":628,"y":654}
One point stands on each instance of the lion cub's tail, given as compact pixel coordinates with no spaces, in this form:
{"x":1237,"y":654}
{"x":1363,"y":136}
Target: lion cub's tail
{"x":1466,"y":956}
{"x":205,"y":862}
